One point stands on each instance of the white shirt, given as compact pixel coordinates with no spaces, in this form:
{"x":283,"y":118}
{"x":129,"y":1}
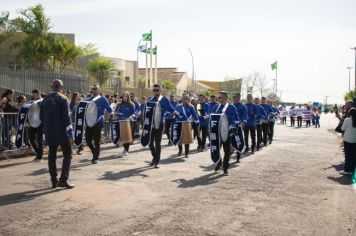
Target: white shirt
{"x":350,"y":131}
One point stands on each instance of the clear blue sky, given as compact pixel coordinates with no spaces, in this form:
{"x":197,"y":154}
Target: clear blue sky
{"x":310,"y":39}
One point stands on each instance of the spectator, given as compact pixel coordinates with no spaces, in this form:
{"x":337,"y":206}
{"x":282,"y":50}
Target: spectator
{"x":317,"y":119}
{"x":9,"y":106}
{"x":349,"y":128}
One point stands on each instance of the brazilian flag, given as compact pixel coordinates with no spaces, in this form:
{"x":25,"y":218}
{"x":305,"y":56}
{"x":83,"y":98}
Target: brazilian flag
{"x":274,"y":66}
{"x":147,"y":37}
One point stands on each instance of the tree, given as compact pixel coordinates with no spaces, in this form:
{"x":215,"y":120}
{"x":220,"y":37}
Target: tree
{"x":89,"y":49}
{"x":248,"y":84}
{"x":262,"y":88}
{"x":32,"y":21}
{"x":63,"y":51}
{"x":350,"y":95}
{"x":101,"y":69}
{"x":231,"y":85}
{"x":274,"y":97}
{"x":168,"y":84}
{"x":36,"y":52}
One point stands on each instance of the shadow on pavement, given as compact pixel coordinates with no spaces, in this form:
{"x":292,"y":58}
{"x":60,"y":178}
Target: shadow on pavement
{"x":199,"y":181}
{"x":15,"y":164}
{"x":344,"y":179}
{"x":109,"y":175}
{"x":15,"y":198}
{"x":338,"y":167}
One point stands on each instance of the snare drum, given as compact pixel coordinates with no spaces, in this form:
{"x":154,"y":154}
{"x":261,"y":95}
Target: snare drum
{"x":125,"y":132}
{"x":187,"y":136}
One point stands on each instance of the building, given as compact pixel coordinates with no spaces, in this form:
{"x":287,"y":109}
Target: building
{"x":181,"y":79}
{"x":230,"y":86}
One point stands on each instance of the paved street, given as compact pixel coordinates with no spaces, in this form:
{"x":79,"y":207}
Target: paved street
{"x":289,"y":188}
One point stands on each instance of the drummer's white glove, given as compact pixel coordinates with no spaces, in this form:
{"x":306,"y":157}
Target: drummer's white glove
{"x":131,"y":118}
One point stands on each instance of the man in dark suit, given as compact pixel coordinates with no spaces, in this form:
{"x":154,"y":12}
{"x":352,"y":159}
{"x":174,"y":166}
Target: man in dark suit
{"x":58,"y":132}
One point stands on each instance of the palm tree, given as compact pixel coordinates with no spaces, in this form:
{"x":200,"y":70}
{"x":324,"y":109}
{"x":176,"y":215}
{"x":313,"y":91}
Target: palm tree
{"x":101,"y":69}
{"x":63,"y":51}
{"x":36,"y":52}
{"x":33,"y":22}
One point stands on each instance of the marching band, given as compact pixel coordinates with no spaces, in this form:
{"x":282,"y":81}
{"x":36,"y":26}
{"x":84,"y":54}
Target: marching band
{"x":225,"y":123}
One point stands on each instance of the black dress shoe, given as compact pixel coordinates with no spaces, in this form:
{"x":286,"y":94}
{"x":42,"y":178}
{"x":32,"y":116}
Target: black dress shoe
{"x":179,"y":153}
{"x":152,"y":163}
{"x":65,"y":185}
{"x":186,"y":156}
{"x":246,"y":151}
{"x":156,"y":166}
{"x":226,"y":173}
{"x":93,"y":161}
{"x":54,"y":184}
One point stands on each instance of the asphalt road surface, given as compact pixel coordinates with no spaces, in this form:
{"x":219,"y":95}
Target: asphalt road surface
{"x":288,"y":188}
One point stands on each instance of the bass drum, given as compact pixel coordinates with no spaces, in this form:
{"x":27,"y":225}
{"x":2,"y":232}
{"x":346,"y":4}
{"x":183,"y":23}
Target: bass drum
{"x":34,"y":115}
{"x":224,"y":127}
{"x":91,"y":114}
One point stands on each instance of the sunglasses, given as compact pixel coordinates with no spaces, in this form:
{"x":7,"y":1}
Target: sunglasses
{"x":155,"y":90}
{"x":94,"y":89}
{"x":220,"y":97}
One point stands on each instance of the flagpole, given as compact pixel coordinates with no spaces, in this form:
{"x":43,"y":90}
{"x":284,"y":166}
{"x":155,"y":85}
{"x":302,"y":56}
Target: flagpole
{"x":156,"y":79}
{"x":146,"y":71}
{"x":138,"y":70}
{"x":151,"y":72}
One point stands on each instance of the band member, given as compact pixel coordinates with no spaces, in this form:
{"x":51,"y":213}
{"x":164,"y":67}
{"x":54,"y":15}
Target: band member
{"x":186,"y":112}
{"x":240,"y":108}
{"x":93,"y":134}
{"x":156,"y":134}
{"x":168,"y":118}
{"x":242,"y":113}
{"x":58,"y":132}
{"x":271,"y":121}
{"x":126,"y":111}
{"x":203,"y":112}
{"x":36,"y":134}
{"x":212,"y":104}
{"x":135,"y":122}
{"x":250,"y":127}
{"x":231,"y":113}
{"x":75,"y":99}
{"x":261,"y":114}
{"x":269,"y":111}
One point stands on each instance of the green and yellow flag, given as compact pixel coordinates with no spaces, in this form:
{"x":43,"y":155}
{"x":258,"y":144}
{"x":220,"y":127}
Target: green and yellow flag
{"x":152,"y":50}
{"x":274,"y":66}
{"x":147,"y":37}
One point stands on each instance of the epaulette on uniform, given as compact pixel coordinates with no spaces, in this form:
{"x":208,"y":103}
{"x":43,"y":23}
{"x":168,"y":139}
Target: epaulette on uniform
{"x":64,"y":97}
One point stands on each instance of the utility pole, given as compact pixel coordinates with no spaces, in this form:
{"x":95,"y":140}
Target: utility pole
{"x":349,"y":68}
{"x":354,"y":48}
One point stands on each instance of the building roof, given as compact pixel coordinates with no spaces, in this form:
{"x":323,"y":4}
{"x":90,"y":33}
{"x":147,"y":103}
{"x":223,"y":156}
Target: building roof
{"x":165,"y":73}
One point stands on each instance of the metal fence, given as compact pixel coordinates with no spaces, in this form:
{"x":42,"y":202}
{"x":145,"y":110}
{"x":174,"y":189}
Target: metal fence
{"x":8,"y":126}
{"x":24,"y":81}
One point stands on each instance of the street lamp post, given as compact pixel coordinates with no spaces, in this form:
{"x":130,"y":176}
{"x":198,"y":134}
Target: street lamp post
{"x":193,"y":75}
{"x":349,"y":68}
{"x":354,"y":48}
